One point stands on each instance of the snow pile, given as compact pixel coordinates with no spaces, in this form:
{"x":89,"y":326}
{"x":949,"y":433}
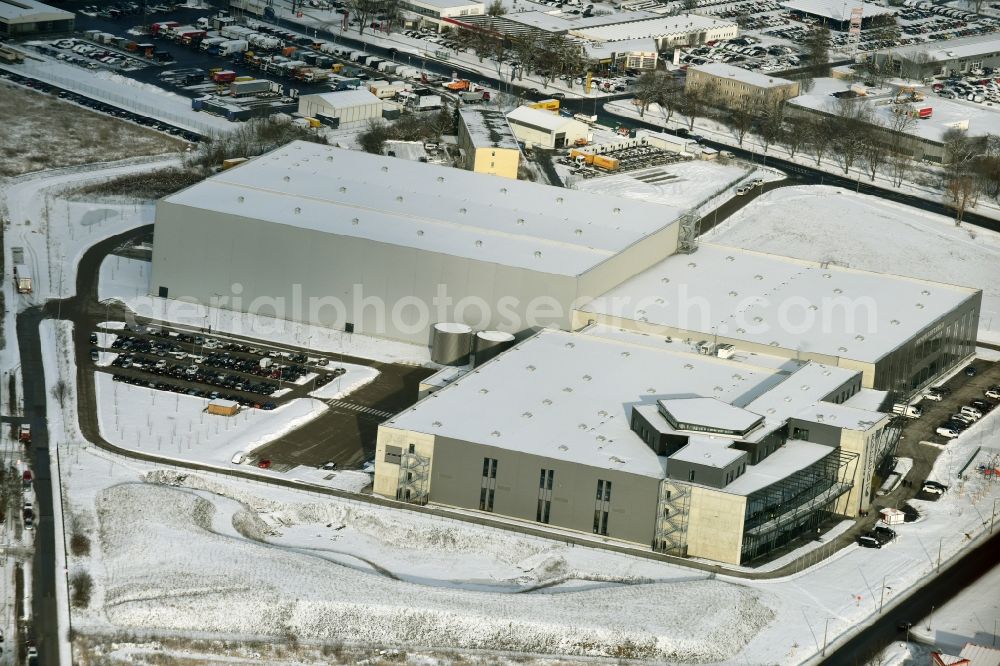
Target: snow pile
{"x":869,"y":233}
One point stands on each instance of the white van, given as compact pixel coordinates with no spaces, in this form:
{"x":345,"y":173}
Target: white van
{"x":909,"y":411}
{"x":239,"y":458}
{"x":971,"y":411}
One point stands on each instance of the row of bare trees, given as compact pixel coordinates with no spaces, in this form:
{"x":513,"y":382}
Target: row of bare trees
{"x":848,"y":134}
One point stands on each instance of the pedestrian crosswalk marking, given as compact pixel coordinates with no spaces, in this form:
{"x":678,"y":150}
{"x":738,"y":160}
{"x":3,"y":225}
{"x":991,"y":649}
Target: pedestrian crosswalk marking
{"x":360,"y":408}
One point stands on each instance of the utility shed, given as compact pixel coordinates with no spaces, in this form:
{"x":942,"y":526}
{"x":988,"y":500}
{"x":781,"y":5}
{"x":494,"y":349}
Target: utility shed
{"x":536,"y":127}
{"x":222,"y":407}
{"x":21,"y":18}
{"x":349,"y":107}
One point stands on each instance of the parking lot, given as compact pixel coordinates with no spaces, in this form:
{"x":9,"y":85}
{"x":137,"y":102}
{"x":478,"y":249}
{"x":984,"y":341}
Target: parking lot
{"x":260,"y":376}
{"x":963,"y":390}
{"x":204,"y":366}
{"x":628,"y":159}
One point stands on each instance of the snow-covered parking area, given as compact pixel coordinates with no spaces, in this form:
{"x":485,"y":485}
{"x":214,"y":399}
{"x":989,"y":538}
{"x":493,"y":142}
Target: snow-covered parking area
{"x":178,"y":426}
{"x":821,"y":223}
{"x":684,"y":185}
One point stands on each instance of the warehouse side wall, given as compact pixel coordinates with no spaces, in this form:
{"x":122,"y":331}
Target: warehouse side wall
{"x":304,"y":275}
{"x":458,"y":479}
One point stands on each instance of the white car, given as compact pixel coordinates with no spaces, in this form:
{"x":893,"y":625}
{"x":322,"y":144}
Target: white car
{"x":932,"y":488}
{"x":947,"y":432}
{"x":743,"y":189}
{"x":993,"y":393}
{"x":238,"y":458}
{"x":971,"y":411}
{"x":936,"y":397}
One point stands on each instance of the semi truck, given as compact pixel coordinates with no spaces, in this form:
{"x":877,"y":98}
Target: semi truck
{"x":251,"y":87}
{"x":232,"y":47}
{"x":420,"y":100}
{"x":22,"y":279}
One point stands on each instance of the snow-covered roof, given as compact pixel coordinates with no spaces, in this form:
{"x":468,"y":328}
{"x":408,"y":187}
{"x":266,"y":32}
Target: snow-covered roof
{"x":443,"y":4}
{"x":569,"y":396}
{"x":343,"y":99}
{"x":488,"y":128}
{"x":606,"y":49}
{"x":792,"y":456}
{"x":428,"y":207}
{"x":539,"y":119}
{"x":542,"y":20}
{"x":951,"y":49}
{"x":981,"y":655}
{"x":709,"y":412}
{"x":25,"y":11}
{"x":976,"y":119}
{"x":708,"y":451}
{"x":867,"y":398}
{"x":722,"y":70}
{"x":785,"y":303}
{"x":836,"y":10}
{"x":444,"y":376}
{"x":841,"y":416}
{"x":660,"y":26}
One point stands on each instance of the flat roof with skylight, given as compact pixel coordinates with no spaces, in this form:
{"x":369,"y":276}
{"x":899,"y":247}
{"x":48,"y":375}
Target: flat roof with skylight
{"x":781,"y":302}
{"x":836,"y":10}
{"x":661,"y":26}
{"x":722,"y":70}
{"x":569,"y":396}
{"x":427,"y":207}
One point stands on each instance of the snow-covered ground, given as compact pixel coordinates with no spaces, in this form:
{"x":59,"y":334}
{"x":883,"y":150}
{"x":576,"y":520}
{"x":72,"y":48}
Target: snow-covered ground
{"x":178,"y":426}
{"x":55,"y":232}
{"x":122,"y":278}
{"x":971,"y":617}
{"x":123,"y":92}
{"x":869,"y":233}
{"x":688,"y":184}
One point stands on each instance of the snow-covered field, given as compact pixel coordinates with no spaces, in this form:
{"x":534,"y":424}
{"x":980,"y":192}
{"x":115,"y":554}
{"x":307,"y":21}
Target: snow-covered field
{"x":123,"y":278}
{"x":861,"y":231}
{"x":177,"y":426}
{"x":688,"y":184}
{"x":249,"y":560}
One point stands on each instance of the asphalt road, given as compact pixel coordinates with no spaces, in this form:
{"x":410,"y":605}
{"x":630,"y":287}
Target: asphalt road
{"x":864,"y":646}
{"x":44,"y":567}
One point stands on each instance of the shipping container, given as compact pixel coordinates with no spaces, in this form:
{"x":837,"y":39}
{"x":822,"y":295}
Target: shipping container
{"x":251,"y":87}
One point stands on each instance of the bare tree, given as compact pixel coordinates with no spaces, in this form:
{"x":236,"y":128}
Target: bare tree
{"x":817,"y":48}
{"x":695,"y":101}
{"x":496,"y":8}
{"x":850,"y":122}
{"x":961,"y":190}
{"x":820,"y":137}
{"x":794,"y":134}
{"x":365,"y":10}
{"x":647,"y":90}
{"x":741,"y":115}
{"x":60,"y":391}
{"x":769,"y":123}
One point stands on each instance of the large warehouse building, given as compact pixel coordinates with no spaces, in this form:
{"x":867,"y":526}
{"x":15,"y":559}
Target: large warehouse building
{"x":27,"y":18}
{"x":388,"y":247}
{"x":641,"y":440}
{"x":900,"y":333}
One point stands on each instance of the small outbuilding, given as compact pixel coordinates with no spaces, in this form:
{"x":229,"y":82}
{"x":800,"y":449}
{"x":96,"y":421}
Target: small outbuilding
{"x":536,"y":127}
{"x":221,"y":407}
{"x":343,"y":108}
{"x":892,"y":516}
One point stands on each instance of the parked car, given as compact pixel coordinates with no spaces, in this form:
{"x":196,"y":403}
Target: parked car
{"x":883,"y":534}
{"x":869,"y":542}
{"x":264,"y":464}
{"x":948,"y":431}
{"x":993,"y":394}
{"x":933,"y":487}
{"x":969,"y":410}
{"x":970,"y":371}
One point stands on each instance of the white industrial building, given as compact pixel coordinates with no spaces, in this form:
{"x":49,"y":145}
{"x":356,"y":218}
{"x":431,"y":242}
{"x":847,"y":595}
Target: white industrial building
{"x":545,"y":129}
{"x":667,"y":31}
{"x":344,"y":108}
{"x":389,"y":247}
{"x":25,"y":18}
{"x":900,"y":333}
{"x":436,"y":13}
{"x":644,"y":440}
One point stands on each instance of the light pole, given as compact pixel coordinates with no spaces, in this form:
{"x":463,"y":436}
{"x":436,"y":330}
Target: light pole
{"x":881,"y":598}
{"x":930,"y":617}
{"x":826,"y":625}
{"x":993,"y":516}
